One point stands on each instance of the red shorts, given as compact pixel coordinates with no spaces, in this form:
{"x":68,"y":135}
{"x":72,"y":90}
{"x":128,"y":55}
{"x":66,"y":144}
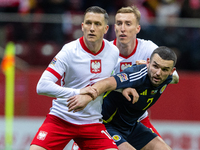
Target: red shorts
{"x":55,"y":134}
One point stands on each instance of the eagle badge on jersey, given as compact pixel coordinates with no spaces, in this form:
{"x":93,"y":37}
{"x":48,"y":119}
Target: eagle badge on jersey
{"x":124,"y":65}
{"x":95,"y":66}
{"x":123,"y":77}
{"x":42,"y":135}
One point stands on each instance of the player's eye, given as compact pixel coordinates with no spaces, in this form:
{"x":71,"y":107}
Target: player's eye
{"x":88,"y":22}
{"x":155,"y":66}
{"x":119,"y":23}
{"x":97,"y":23}
{"x":165,"y":69}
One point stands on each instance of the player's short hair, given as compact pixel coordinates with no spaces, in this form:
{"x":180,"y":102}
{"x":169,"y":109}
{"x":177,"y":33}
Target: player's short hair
{"x":165,"y":53}
{"x":99,"y":10}
{"x":131,"y":9}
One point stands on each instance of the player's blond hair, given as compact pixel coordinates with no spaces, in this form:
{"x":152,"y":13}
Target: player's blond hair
{"x":131,"y":9}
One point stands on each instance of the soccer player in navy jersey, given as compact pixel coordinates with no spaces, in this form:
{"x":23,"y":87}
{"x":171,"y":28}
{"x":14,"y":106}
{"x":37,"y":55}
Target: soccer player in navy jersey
{"x":121,"y":115}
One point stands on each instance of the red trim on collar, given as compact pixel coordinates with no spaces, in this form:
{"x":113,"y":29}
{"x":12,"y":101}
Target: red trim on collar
{"x":115,"y":42}
{"x":133,"y":52}
{"x":87,"y":50}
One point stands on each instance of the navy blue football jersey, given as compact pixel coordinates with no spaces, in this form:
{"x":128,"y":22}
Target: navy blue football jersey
{"x":118,"y":110}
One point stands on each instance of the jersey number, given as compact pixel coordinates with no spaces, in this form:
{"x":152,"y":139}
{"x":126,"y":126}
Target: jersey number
{"x":149,"y":101}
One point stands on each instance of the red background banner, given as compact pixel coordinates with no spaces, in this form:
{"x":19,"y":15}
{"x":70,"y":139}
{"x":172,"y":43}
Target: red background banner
{"x":178,"y":102}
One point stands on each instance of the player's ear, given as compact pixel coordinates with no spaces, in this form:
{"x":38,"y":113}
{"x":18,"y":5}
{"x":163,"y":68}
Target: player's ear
{"x":148,"y":61}
{"x":174,"y":68}
{"x":138,"y":29}
{"x":82,"y":26}
{"x":106,"y":29}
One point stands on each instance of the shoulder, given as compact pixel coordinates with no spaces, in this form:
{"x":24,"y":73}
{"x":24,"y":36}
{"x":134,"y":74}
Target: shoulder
{"x":136,"y":68}
{"x":136,"y":71}
{"x":169,"y":79}
{"x":111,"y":45}
{"x":146,"y":44}
{"x":68,"y":50}
{"x":133,"y":76}
{"x":70,"y":45}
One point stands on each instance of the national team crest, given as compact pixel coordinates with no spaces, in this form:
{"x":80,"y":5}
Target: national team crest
{"x":163,"y":88}
{"x":42,"y":135}
{"x":95,"y":66}
{"x":116,"y":138}
{"x":124,"y":65}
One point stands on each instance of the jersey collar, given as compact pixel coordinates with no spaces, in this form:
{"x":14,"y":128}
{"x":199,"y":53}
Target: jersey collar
{"x":87,"y":50}
{"x":133,"y":52}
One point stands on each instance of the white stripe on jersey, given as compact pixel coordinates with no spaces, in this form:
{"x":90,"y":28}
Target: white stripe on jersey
{"x":138,"y":75}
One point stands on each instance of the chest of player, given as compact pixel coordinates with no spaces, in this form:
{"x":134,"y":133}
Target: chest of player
{"x":84,"y":72}
{"x":148,"y":97}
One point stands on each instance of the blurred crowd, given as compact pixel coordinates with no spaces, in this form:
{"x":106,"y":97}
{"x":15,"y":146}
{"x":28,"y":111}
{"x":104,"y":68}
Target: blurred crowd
{"x":157,"y":17}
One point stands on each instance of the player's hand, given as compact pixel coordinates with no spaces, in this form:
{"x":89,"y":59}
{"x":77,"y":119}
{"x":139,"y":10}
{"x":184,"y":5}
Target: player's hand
{"x":131,"y":91}
{"x":90,"y":91}
{"x":140,"y":62}
{"x":78,"y":102}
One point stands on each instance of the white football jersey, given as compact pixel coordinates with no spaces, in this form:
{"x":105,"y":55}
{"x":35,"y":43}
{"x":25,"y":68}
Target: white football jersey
{"x":78,"y":67}
{"x":142,"y":51}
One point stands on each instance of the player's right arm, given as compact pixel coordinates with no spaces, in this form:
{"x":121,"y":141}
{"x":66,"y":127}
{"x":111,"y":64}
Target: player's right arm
{"x":47,"y":86}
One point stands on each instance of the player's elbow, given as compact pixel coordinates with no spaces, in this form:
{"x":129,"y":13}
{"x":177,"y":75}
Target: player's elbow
{"x":41,"y":88}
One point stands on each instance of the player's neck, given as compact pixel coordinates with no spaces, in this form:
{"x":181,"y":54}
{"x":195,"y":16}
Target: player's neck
{"x":126,"y":49}
{"x":94,"y":47}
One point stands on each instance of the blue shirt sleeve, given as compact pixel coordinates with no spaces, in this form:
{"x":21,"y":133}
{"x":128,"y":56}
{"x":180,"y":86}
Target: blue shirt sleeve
{"x":131,"y":77}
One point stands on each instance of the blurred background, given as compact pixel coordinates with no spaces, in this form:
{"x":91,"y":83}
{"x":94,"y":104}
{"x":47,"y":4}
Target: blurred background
{"x":39,"y":29}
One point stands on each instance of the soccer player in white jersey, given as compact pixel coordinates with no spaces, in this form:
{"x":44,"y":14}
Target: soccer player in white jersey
{"x":79,"y":64}
{"x":132,"y":49}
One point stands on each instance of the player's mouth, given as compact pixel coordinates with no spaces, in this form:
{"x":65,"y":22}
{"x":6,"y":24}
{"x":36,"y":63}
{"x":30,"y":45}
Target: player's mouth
{"x":91,"y":35}
{"x":156,"y":79}
{"x":122,"y":35}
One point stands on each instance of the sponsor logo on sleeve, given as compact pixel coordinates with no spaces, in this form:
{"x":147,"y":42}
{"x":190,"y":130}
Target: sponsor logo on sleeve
{"x":53,"y":62}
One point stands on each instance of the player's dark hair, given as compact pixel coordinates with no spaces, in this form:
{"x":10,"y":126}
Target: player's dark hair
{"x":165,"y":53}
{"x":99,"y":10}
